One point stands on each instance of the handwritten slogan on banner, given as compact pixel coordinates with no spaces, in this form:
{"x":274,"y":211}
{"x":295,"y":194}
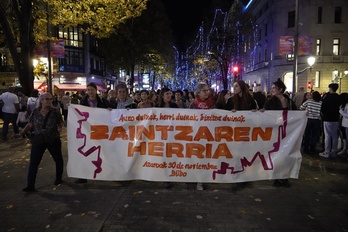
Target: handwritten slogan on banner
{"x":184,"y":145}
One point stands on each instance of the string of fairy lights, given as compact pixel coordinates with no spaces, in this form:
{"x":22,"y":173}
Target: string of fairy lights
{"x":188,"y":73}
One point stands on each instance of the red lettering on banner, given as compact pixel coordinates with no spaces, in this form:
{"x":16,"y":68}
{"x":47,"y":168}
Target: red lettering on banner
{"x":164,"y":131}
{"x":99,"y":132}
{"x":184,"y":133}
{"x":181,"y":133}
{"x":176,"y":149}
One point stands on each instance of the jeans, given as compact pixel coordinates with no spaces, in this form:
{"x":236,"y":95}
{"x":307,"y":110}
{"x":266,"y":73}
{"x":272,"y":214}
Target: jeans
{"x":9,"y":118}
{"x":331,"y":138}
{"x":36,"y":154}
{"x":311,"y":134}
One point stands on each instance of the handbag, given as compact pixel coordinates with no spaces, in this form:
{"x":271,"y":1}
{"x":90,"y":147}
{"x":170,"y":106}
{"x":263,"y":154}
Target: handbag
{"x":39,"y":140}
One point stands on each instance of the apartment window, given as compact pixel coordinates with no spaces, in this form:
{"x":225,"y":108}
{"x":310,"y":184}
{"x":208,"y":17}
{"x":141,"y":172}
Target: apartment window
{"x":317,"y":79}
{"x":72,"y":57}
{"x":336,"y":47}
{"x":318,"y":48}
{"x":338,"y":14}
{"x":291,"y":19}
{"x":72,"y":35}
{"x":266,"y":30}
{"x":265,"y":55}
{"x":320,"y":15}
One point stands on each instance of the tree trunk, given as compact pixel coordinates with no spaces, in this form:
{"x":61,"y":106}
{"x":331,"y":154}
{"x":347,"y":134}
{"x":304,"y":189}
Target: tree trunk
{"x":224,"y":74}
{"x":21,"y":57}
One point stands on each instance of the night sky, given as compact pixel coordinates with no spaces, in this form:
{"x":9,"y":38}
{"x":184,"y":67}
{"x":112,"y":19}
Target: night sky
{"x":186,"y":17}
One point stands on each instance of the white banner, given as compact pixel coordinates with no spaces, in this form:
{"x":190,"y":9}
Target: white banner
{"x":184,"y":145}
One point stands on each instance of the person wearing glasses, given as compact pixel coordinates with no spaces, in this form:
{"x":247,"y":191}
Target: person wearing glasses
{"x":204,"y":102}
{"x":45,"y":120}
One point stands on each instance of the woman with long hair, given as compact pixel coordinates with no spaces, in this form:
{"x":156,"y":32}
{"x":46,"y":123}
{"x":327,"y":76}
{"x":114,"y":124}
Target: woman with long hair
{"x":241,"y":99}
{"x":222,"y":99}
{"x":165,"y":101}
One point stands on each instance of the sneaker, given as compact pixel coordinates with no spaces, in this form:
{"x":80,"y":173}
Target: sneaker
{"x":323,"y":154}
{"x":199,"y":186}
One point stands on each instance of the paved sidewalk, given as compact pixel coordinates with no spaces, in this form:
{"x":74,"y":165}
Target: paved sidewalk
{"x":317,"y":201}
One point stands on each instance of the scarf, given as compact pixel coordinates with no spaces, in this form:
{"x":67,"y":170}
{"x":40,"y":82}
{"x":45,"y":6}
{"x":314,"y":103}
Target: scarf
{"x":203,"y":104}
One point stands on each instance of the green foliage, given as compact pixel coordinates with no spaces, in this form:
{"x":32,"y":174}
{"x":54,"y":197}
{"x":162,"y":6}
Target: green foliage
{"x":24,"y":23}
{"x":98,"y":17}
{"x":144,"y":40}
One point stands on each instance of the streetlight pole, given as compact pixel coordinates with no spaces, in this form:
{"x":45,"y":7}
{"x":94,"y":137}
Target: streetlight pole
{"x":49,"y":78}
{"x":294,"y":77}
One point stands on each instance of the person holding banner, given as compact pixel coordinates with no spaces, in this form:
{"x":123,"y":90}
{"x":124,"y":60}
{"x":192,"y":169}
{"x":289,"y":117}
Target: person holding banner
{"x":46,"y":123}
{"x":111,"y":99}
{"x":145,"y":101}
{"x":165,"y":101}
{"x":241,"y":100}
{"x":202,"y":101}
{"x":279,"y":101}
{"x":93,"y":100}
{"x":123,"y":100}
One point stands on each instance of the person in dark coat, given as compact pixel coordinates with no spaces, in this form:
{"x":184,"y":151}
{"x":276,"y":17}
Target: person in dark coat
{"x":280,"y":101}
{"x":241,"y":99}
{"x":93,"y":100}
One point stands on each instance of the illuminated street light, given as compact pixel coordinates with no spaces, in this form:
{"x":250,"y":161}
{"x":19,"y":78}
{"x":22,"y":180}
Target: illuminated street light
{"x":310,"y":62}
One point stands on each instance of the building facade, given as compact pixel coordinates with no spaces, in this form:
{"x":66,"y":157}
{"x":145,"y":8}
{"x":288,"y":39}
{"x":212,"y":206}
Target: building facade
{"x":79,"y":63}
{"x":322,"y":24}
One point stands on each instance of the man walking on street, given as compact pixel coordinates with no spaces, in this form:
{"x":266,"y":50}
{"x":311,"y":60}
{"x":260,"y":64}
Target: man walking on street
{"x":330,"y":116}
{"x":9,"y":111}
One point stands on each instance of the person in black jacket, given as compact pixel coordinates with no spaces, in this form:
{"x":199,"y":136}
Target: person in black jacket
{"x":331,"y":117}
{"x":241,"y":99}
{"x":93,"y":100}
{"x":279,"y":101}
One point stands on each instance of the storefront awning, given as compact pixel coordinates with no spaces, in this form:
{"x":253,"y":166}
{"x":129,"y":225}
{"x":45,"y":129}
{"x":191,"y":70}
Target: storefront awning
{"x":70,"y":87}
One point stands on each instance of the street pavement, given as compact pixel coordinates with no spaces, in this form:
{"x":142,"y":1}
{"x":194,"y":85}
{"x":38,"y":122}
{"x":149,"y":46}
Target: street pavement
{"x":317,"y":201}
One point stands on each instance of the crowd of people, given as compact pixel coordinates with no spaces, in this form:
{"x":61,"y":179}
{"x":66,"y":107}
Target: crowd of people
{"x":327,"y":115}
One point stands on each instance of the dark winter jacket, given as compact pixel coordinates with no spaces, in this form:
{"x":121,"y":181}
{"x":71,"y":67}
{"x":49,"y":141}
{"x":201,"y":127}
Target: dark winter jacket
{"x":274,"y":104}
{"x":330,"y":107}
